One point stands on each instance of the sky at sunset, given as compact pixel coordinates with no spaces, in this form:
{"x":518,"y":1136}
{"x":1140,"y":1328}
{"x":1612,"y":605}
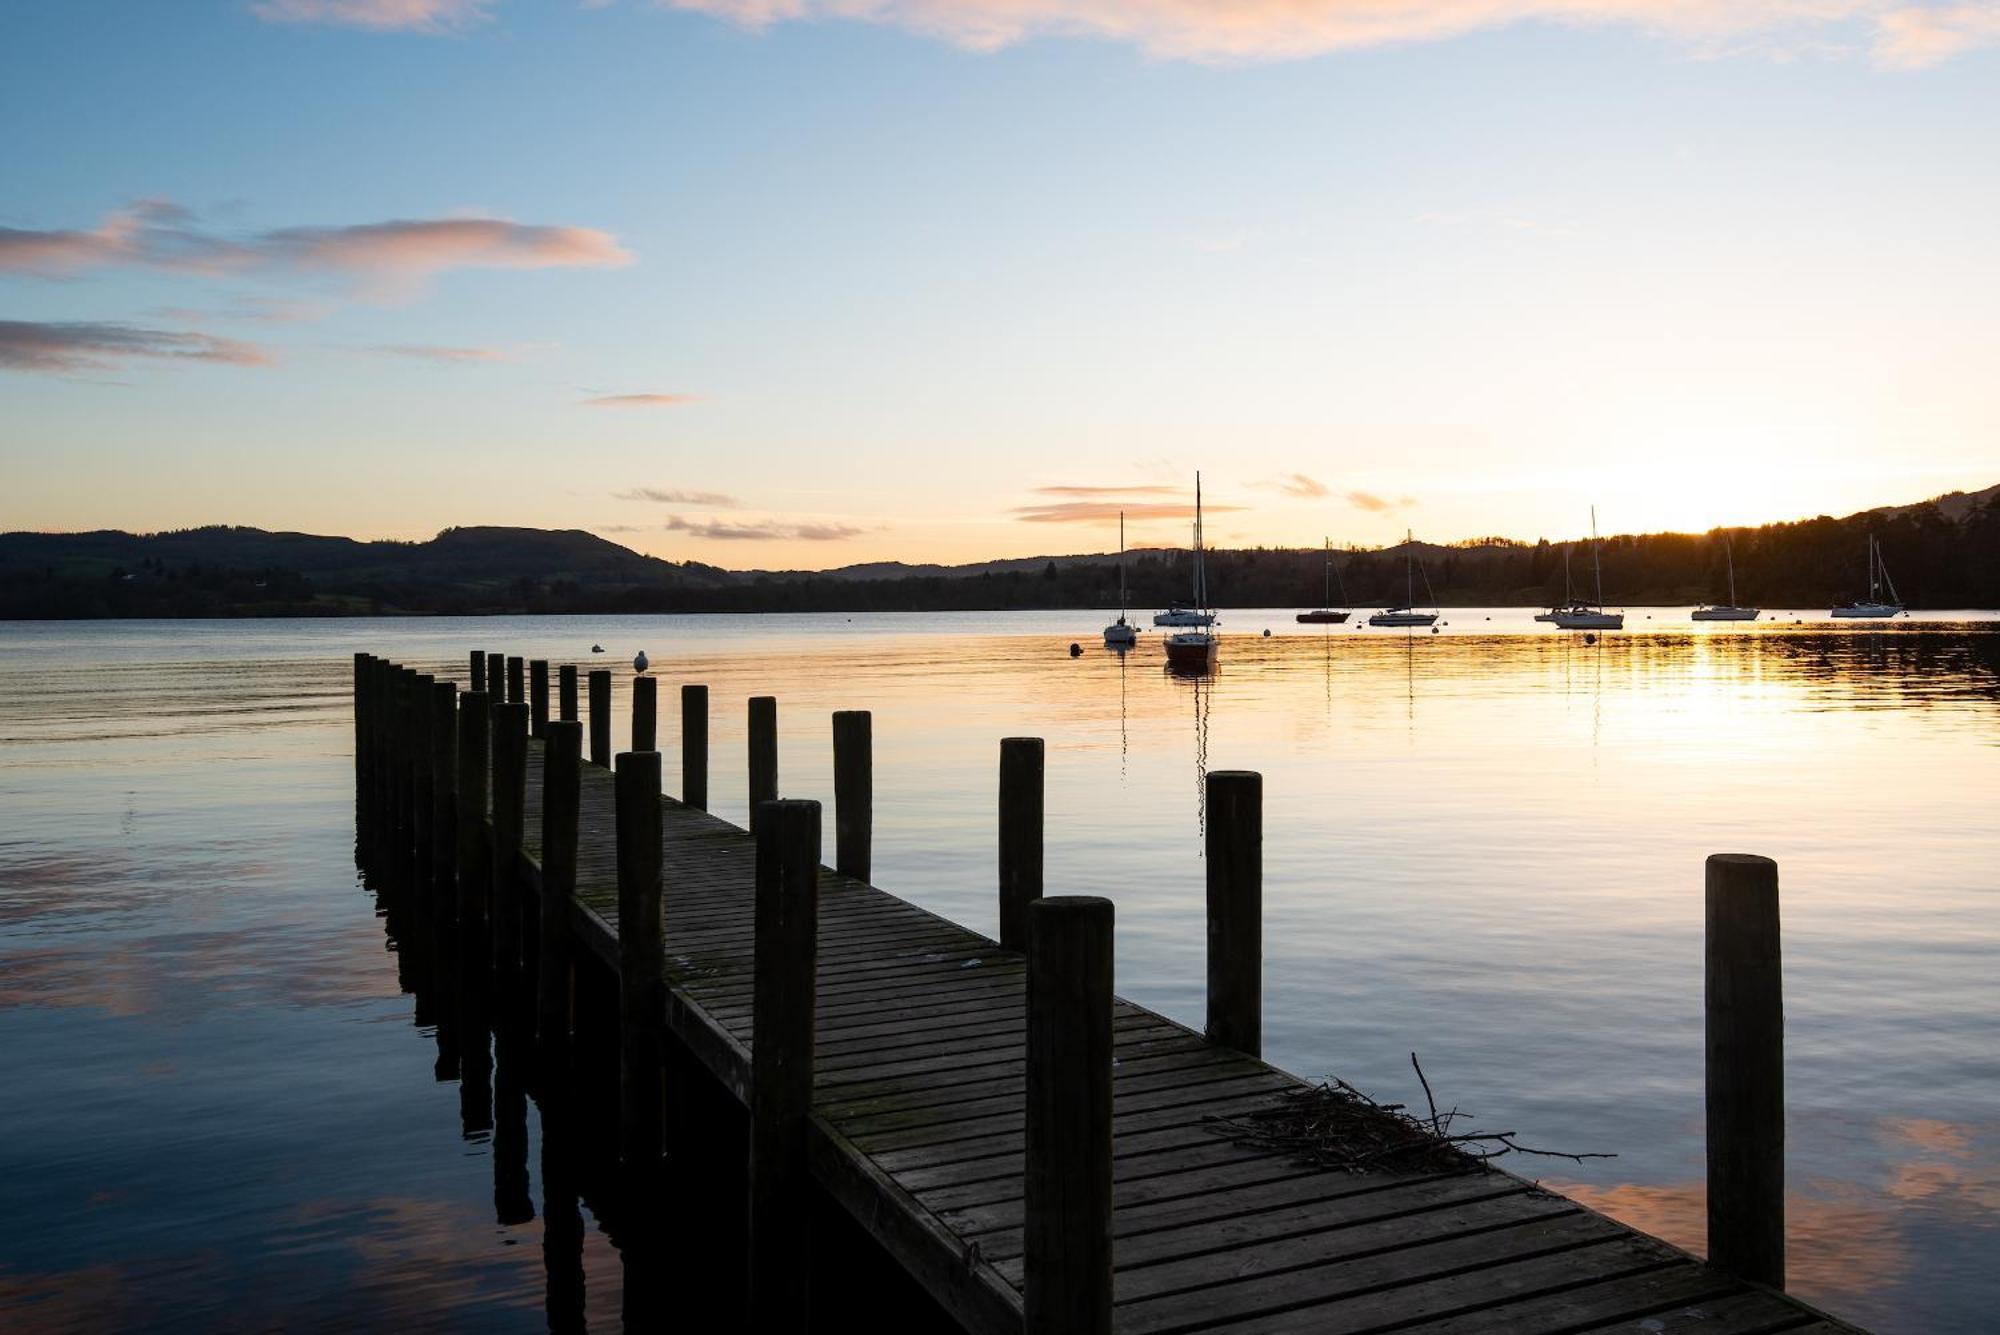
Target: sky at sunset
{"x":811,"y":282}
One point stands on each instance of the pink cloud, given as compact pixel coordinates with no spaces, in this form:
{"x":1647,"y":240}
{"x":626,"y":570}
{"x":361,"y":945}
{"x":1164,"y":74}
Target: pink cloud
{"x":667,"y":496}
{"x":380,"y":15}
{"x":768,"y":530}
{"x":1095,"y":512}
{"x":160,"y":234}
{"x":638,"y":400}
{"x":82,"y":346}
{"x":1248,"y":30}
{"x":1369,"y":501}
{"x":1916,"y":37}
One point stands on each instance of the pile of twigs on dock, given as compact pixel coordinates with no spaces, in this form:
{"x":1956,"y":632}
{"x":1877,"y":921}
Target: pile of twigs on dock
{"x":1334,"y":1125}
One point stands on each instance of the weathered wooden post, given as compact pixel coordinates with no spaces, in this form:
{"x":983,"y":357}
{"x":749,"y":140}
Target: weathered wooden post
{"x":853,"y":792}
{"x":1067,"y":1231}
{"x":444,"y":798}
{"x":694,"y":747}
{"x":496,"y":679}
{"x":475,"y":878}
{"x":781,"y":1068}
{"x":1235,"y":858}
{"x":402,"y":775}
{"x":360,"y":722}
{"x":562,"y":785}
{"x":538,"y":697}
{"x":478,"y":666}
{"x":641,"y":959}
{"x":364,"y":757}
{"x":566,"y":693}
{"x":517,"y":680}
{"x":421,"y":780}
{"x":763,"y":753}
{"x":1020,"y":836}
{"x":1746,"y":1069}
{"x":600,"y":717}
{"x":645,"y":713}
{"x":510,"y":775}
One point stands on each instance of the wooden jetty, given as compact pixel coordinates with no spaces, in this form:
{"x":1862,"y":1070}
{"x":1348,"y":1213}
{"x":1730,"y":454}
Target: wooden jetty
{"x":1034,"y":1152}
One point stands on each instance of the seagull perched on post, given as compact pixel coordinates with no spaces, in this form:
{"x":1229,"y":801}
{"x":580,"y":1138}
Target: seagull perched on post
{"x":640,"y":663}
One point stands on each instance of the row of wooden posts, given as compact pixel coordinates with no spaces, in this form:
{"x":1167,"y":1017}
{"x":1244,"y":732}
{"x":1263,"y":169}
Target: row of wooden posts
{"x":424,"y":752}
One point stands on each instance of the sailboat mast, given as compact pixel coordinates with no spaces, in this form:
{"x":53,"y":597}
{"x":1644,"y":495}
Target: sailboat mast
{"x":1409,"y":568}
{"x":1596,"y":565}
{"x":1729,"y":554}
{"x":1326,"y":576}
{"x":1121,"y":566}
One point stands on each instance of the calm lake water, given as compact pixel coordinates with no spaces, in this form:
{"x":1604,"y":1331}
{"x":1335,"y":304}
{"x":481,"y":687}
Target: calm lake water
{"x":1483,"y":846}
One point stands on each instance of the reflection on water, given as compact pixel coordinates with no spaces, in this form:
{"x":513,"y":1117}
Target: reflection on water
{"x":1483,"y":845}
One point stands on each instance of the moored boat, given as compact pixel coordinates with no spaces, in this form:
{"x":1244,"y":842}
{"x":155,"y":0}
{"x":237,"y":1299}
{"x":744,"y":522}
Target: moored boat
{"x":1874,"y":607}
{"x":1327,"y":616}
{"x":1728,"y":611}
{"x":1194,"y":650}
{"x":1405,"y":613}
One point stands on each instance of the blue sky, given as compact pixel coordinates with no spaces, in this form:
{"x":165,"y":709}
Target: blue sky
{"x":869,"y":289}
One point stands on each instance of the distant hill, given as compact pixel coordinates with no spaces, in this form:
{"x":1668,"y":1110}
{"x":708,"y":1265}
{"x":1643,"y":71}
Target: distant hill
{"x":1943,"y":553}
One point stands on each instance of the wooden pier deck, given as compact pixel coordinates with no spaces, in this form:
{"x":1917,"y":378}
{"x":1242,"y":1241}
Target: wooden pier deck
{"x":919,"y":1117}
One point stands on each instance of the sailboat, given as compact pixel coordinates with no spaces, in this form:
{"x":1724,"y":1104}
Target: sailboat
{"x":1728,"y":611}
{"x":1406,"y":614}
{"x":1193,"y":650}
{"x":1326,"y":616}
{"x":1121,"y":634}
{"x":1874,"y":607}
{"x":1589,"y":616}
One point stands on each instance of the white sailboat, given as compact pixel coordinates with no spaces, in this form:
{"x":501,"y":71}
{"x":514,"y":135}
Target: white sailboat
{"x":1121,"y":634}
{"x":1406,"y":614}
{"x":1728,"y":611}
{"x":1193,"y":650}
{"x":1874,"y":607}
{"x":1326,"y":616}
{"x":1586,"y":616}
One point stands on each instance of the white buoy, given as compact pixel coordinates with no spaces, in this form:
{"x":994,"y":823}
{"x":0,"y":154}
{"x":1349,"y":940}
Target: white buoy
{"x":640,"y":663}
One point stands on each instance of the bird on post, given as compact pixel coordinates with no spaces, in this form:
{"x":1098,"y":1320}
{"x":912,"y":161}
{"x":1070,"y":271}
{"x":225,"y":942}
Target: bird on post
{"x":641,"y":663}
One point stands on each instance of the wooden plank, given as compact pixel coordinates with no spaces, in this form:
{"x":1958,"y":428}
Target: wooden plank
{"x":1459,"y":1276}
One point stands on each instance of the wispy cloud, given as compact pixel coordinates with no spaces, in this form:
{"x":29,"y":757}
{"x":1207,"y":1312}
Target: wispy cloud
{"x":1918,"y":36}
{"x":770,"y":530}
{"x":675,"y":496}
{"x":1369,"y":501}
{"x":87,"y":345}
{"x":1097,"y":512}
{"x":1904,"y":36}
{"x":387,"y":256}
{"x":1295,"y":484}
{"x":638,"y":400}
{"x":1148,"y":490}
{"x":380,"y":15}
{"x":429,"y":353}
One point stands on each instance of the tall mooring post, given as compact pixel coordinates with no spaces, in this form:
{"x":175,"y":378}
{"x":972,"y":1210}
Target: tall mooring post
{"x":781,"y":1071}
{"x":763,"y":754}
{"x":600,"y":717}
{"x":510,"y":778}
{"x":645,"y":713}
{"x":566,"y":693}
{"x":1067,"y":1230}
{"x":562,"y":787}
{"x":694,"y":746}
{"x":1745,"y":1024}
{"x":475,"y":876}
{"x":1020,"y":836}
{"x":1235,"y":859}
{"x":853,"y":792}
{"x":538,"y":697}
{"x":517,"y":680}
{"x":641,"y":961}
